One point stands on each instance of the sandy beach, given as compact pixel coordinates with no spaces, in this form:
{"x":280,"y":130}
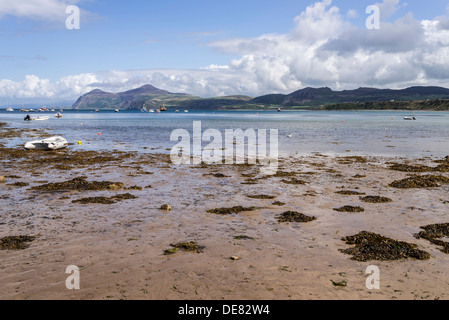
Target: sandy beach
{"x":124,"y":243}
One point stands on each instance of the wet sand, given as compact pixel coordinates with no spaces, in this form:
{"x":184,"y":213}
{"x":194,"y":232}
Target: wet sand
{"x":119,"y":247}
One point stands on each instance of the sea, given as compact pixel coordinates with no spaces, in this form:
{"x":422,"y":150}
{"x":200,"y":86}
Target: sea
{"x":300,"y":133}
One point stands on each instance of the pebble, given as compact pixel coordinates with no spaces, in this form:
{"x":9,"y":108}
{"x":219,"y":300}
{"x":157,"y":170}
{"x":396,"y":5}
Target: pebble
{"x":166,"y":207}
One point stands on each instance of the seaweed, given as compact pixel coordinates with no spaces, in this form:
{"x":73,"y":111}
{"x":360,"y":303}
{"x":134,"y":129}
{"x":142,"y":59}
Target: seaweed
{"x":170,"y":251}
{"x":79,"y":184}
{"x":105,"y":200}
{"x":425,"y":181}
{"x":261,"y":196}
{"x":243,"y":237}
{"x":434,"y":233}
{"x":226,"y":211}
{"x":351,"y":160}
{"x":372,"y":246}
{"x":350,"y":193}
{"x":19,"y":184}
{"x":350,"y":209}
{"x":294,"y":181}
{"x":293,"y":216}
{"x":278,"y":203}
{"x":442,"y":167}
{"x":375,"y":199}
{"x":191,"y":246}
{"x":15,"y":242}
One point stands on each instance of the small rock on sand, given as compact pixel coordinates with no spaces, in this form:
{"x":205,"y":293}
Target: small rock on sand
{"x":166,"y":207}
{"x":2,"y":179}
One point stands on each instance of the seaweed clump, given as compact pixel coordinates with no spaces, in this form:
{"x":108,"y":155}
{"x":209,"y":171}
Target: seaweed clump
{"x":191,"y":246}
{"x":349,"y":209}
{"x":15,"y":242}
{"x":375,"y":199}
{"x":293,"y":216}
{"x":261,"y":196}
{"x":79,"y":184}
{"x":226,"y":211}
{"x":426,"y":181}
{"x":350,"y":193}
{"x":105,"y":200}
{"x":434,"y":233}
{"x":294,"y":181}
{"x":372,"y":246}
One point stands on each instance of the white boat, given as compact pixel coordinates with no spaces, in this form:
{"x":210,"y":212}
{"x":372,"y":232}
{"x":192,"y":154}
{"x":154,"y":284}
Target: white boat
{"x":10,"y":109}
{"x":409,"y":118}
{"x":186,"y":111}
{"x":53,"y":143}
{"x":151,"y":110}
{"x":58,"y":115}
{"x":116,"y":110}
{"x":28,"y":118}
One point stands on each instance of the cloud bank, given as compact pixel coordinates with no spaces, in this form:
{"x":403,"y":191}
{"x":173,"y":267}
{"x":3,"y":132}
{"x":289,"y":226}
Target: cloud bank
{"x":323,"y":49}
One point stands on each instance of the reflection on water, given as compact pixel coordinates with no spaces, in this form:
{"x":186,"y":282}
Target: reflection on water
{"x":327,"y":132}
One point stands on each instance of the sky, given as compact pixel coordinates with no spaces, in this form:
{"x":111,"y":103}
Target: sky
{"x":212,"y":48}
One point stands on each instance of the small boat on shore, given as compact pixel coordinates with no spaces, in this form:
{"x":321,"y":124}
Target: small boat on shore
{"x":10,"y":109}
{"x":53,"y":143}
{"x":409,"y":118}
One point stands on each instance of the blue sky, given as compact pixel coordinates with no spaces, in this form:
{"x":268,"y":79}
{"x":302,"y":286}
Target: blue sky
{"x":122,"y":44}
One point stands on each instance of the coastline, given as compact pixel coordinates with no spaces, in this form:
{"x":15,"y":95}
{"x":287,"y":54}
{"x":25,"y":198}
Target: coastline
{"x":119,"y":247}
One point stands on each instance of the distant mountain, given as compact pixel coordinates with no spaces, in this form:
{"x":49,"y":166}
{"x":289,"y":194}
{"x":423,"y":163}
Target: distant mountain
{"x":150,"y":97}
{"x":324,"y":96}
{"x":146,"y":96}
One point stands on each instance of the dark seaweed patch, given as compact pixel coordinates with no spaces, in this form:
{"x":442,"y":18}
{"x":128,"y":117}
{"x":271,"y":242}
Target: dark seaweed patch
{"x":350,"y":209}
{"x":19,"y":184}
{"x":434,"y":233}
{"x":426,"y":181}
{"x":278,"y":203}
{"x":225,"y":211}
{"x":351,"y":160}
{"x":293,"y":216}
{"x":105,"y":200}
{"x":191,"y":246}
{"x":375,"y":199}
{"x":442,"y":167}
{"x":350,"y":193}
{"x":261,"y":196}
{"x":294,"y":181}
{"x":372,"y":246}
{"x":243,"y":237}
{"x":79,"y":184}
{"x":15,"y":242}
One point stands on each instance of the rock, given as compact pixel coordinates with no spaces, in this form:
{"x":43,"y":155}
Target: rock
{"x":166,"y":207}
{"x":2,"y":179}
{"x":235,"y":258}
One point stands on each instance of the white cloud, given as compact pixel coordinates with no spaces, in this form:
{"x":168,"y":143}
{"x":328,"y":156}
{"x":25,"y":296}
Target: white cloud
{"x":323,"y":49}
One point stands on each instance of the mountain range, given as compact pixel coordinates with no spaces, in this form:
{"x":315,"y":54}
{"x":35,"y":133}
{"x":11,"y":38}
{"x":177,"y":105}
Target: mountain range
{"x":150,"y":97}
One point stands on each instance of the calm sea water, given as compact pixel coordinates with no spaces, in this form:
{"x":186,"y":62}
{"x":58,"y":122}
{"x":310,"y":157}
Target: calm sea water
{"x":328,"y":132}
